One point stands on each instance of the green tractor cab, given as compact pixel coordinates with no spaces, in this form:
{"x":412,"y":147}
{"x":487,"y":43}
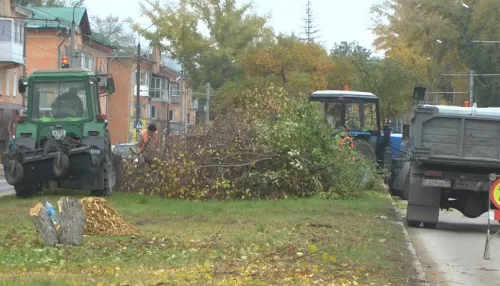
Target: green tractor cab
{"x":62,"y":137}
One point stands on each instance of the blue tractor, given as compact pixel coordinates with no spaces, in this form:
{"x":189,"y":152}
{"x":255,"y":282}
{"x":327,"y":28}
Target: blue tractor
{"x":358,"y":114}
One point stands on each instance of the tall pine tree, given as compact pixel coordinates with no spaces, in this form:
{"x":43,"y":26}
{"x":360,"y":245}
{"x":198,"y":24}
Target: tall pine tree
{"x":311,"y":30}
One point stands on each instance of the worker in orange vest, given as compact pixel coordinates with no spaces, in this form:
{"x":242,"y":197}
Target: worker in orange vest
{"x":149,"y":145}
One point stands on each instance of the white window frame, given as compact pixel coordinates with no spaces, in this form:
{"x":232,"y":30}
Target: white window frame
{"x":14,"y":83}
{"x":18,"y":28}
{"x":173,"y":91}
{"x":5,"y":35}
{"x":144,"y":78}
{"x":2,"y":82}
{"x":155,"y":87}
{"x":7,"y":83}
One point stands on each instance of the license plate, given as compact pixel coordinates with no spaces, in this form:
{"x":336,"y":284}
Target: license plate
{"x":58,"y":133}
{"x":436,"y":183}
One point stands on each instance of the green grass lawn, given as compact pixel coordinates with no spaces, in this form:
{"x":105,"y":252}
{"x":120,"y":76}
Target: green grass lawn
{"x":294,"y":241}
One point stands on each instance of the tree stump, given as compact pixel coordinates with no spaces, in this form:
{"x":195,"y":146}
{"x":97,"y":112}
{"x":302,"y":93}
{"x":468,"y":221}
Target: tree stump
{"x":72,"y":224}
{"x":45,"y":226}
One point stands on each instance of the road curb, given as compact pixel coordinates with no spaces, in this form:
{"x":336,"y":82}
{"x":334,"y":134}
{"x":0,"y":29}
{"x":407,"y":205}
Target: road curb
{"x":409,"y":245}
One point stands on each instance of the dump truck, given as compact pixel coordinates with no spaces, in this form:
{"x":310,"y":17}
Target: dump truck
{"x":62,"y":138}
{"x":452,"y":152}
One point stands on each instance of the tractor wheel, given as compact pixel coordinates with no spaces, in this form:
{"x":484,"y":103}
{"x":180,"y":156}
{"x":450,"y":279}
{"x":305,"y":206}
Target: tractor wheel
{"x":109,"y":174}
{"x":365,"y":149}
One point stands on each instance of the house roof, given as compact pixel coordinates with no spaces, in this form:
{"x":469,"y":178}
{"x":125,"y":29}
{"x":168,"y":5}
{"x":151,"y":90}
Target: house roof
{"x":57,"y":17}
{"x":61,"y":18}
{"x":100,"y":38}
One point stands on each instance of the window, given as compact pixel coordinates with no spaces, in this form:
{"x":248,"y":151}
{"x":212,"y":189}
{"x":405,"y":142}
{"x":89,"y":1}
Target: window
{"x":155,"y":88}
{"x":144,"y":78}
{"x":56,"y":101}
{"x":164,"y":89}
{"x":95,"y":96}
{"x":189,"y":118}
{"x":2,"y":82}
{"x":171,"y":115}
{"x":14,"y":83}
{"x":5,"y":30}
{"x":173,"y":89}
{"x":18,"y":32}
{"x":153,"y":111}
{"x":8,"y":81}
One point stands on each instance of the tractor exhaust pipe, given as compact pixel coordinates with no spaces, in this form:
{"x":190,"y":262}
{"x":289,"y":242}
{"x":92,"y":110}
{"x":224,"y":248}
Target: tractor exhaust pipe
{"x":14,"y":173}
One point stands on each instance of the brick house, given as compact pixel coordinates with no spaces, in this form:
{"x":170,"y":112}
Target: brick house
{"x":12,"y":61}
{"x":49,"y":40}
{"x":162,"y":89}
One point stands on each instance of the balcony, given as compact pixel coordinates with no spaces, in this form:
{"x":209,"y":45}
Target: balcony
{"x":158,"y":95}
{"x":175,"y":99}
{"x":11,"y":42}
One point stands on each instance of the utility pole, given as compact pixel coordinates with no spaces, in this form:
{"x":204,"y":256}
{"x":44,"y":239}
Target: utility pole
{"x":24,"y":57}
{"x":72,"y":49}
{"x":208,"y":104}
{"x":138,"y":88}
{"x":471,"y":87}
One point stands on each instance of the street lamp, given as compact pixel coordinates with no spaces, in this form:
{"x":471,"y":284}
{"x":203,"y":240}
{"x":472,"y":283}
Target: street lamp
{"x":73,"y":35}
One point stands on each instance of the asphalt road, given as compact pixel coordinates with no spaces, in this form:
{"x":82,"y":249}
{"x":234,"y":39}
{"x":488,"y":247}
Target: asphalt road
{"x":5,"y":189}
{"x":452,"y":254}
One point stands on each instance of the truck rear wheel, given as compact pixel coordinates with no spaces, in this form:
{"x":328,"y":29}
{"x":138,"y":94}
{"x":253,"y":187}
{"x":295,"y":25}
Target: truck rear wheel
{"x":423,"y":202}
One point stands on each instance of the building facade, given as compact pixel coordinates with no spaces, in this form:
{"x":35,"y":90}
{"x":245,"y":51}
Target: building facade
{"x":49,"y":40}
{"x":12,"y":61}
{"x":163,"y":93}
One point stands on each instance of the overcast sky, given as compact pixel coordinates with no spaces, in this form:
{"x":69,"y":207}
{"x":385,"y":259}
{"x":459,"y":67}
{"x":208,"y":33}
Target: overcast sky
{"x":338,"y":20}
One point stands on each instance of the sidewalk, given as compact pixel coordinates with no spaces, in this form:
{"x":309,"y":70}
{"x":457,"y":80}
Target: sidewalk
{"x":5,"y":188}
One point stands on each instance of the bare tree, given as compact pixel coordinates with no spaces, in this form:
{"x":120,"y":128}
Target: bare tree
{"x":310,"y":28}
{"x":116,"y":32}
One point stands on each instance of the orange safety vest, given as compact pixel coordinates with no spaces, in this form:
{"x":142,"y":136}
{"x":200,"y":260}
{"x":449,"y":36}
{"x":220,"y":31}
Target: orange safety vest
{"x":145,"y":136}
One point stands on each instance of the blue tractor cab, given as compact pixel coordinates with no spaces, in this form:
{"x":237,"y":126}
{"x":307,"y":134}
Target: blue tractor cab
{"x":358,"y":114}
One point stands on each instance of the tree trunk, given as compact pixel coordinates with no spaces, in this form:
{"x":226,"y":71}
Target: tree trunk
{"x":45,"y":226}
{"x":72,"y":225}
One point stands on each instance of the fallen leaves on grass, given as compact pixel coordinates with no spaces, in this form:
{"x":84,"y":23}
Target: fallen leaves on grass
{"x":102,"y":219}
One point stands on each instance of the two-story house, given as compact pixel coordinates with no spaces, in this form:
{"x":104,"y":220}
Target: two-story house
{"x":163,"y":92}
{"x":49,"y":40}
{"x":12,"y":61}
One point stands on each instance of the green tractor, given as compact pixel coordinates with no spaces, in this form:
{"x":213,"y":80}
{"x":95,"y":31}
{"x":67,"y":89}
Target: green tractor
{"x":62,"y":139}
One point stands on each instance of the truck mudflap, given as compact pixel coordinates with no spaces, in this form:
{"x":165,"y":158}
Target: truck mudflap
{"x":37,"y":165}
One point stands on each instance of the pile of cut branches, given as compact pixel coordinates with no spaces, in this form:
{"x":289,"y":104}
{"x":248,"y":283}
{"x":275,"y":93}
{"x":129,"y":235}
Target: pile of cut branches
{"x":253,"y":152}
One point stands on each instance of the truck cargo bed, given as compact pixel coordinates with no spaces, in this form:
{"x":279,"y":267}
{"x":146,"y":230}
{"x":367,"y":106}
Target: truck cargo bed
{"x":456,"y":135}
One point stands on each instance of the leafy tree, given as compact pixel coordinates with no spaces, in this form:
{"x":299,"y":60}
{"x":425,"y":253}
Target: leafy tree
{"x":303,"y":66}
{"x":115,"y":31}
{"x":231,"y":30}
{"x":412,"y":28}
{"x":354,"y":65}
